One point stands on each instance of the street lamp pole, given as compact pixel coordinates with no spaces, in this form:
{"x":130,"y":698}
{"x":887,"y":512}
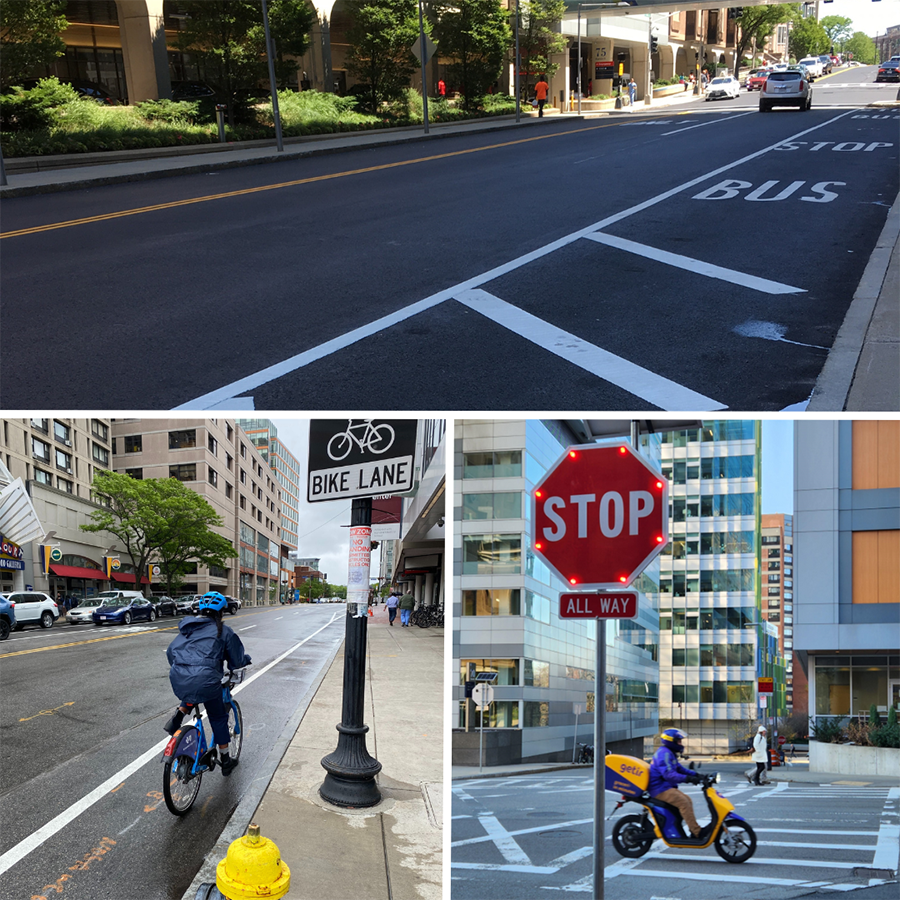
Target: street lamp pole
{"x":518,"y":66}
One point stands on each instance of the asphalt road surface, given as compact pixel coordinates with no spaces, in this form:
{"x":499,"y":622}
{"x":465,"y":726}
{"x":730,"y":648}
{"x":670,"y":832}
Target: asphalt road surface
{"x":529,"y":837}
{"x":81,"y":712}
{"x":700,"y":257}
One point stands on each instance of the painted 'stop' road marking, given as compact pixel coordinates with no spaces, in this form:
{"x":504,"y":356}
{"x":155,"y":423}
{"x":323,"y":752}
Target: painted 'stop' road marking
{"x":36,"y":839}
{"x":37,"y":229}
{"x":270,"y":373}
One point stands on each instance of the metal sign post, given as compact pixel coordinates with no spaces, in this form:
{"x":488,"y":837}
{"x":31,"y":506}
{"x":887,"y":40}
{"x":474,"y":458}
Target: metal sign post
{"x":578,"y":709}
{"x":483,"y":695}
{"x":599,"y":759}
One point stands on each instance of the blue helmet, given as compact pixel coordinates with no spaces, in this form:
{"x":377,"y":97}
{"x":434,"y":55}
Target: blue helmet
{"x":213,"y":601}
{"x":674,"y":738}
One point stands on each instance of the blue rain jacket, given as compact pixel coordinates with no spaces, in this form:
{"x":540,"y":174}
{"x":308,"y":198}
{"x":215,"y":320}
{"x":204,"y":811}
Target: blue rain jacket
{"x":666,"y":772}
{"x":196,"y":658}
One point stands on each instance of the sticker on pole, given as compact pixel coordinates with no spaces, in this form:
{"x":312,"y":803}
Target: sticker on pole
{"x":601,"y":515}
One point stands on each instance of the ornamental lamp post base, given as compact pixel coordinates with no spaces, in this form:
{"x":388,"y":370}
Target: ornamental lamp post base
{"x":350,"y":781}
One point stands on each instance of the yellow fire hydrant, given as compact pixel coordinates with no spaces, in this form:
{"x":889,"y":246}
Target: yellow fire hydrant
{"x":253,"y":868}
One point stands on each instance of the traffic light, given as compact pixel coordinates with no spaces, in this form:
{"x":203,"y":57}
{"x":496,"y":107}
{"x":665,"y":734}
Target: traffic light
{"x":654,"y":43}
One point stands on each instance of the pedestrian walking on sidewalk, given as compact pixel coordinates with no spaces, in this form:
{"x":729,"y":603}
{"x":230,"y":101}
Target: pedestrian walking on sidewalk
{"x":632,"y":91}
{"x":540,"y":93}
{"x":407,"y":605}
{"x":392,"y":603}
{"x":759,"y":754}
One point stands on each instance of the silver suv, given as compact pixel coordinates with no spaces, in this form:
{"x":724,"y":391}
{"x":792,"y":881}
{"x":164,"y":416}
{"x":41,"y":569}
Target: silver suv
{"x":34,"y":608}
{"x":790,"y":87}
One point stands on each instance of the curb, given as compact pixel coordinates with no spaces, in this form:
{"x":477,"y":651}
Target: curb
{"x":836,"y":378}
{"x":246,"y":808}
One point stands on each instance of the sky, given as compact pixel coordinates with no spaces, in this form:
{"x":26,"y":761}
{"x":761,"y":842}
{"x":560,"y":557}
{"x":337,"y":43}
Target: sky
{"x":778,"y":464}
{"x":324,"y":527}
{"x":868,"y":16}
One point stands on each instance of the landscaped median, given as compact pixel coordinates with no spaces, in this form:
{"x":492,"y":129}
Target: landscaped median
{"x":52,"y":119}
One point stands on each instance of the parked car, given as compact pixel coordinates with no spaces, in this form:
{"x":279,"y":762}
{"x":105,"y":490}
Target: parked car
{"x":165,"y":605}
{"x":888,"y":71}
{"x":83,"y":614}
{"x":724,"y":87}
{"x":788,"y":88}
{"x":124,"y":611}
{"x":827,"y":64}
{"x":183,"y":605}
{"x":7,"y":617}
{"x":33,"y":608}
{"x":758,"y":79}
{"x":117,"y":595}
{"x":192,"y":90}
{"x":95,"y":92}
{"x":233,"y":605}
{"x":814,"y":64}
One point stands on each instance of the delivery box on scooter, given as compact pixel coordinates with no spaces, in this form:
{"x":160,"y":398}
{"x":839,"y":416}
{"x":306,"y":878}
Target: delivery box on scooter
{"x":627,"y":775}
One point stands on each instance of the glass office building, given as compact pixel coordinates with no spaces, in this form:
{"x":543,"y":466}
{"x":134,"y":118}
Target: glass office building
{"x":506,"y":612}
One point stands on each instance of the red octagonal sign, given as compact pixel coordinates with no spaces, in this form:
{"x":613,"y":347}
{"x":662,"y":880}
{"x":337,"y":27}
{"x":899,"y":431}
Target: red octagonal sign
{"x":601,"y":515}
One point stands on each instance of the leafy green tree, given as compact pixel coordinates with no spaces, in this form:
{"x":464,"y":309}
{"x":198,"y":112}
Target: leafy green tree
{"x":837,"y":28}
{"x":539,"y":39}
{"x":475,"y":36}
{"x":758,"y":24}
{"x":187,"y":536}
{"x":29,"y":37}
{"x":154,"y":517}
{"x":862,"y":47}
{"x":380,"y":56}
{"x":808,"y":38}
{"x":227,"y":38}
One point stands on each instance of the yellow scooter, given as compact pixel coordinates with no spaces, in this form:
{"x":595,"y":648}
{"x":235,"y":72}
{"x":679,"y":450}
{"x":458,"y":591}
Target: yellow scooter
{"x":632,"y":836}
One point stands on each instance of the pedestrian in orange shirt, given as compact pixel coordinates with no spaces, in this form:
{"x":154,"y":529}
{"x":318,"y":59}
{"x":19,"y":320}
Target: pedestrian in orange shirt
{"x":540,"y":93}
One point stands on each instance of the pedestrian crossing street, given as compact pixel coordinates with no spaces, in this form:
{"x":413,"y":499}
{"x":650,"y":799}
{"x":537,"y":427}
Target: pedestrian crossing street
{"x":837,"y":836}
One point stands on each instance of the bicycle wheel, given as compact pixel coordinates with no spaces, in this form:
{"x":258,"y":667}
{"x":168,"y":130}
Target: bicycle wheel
{"x":180,"y":789}
{"x":339,"y":446}
{"x":235,"y":729}
{"x":381,"y":439}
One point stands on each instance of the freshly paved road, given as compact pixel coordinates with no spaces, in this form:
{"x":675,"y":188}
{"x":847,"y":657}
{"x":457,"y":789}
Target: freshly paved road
{"x":80,"y":704}
{"x":701,"y":257}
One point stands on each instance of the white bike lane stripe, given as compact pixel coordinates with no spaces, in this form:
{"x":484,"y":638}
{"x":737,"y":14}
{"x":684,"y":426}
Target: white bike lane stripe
{"x":36,"y":839}
{"x":270,"y":373}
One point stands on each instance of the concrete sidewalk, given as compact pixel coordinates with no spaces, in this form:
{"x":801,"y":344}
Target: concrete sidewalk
{"x":861,"y":373}
{"x":392,"y":851}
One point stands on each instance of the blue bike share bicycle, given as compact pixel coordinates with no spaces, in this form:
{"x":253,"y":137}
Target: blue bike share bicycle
{"x":188,"y":754}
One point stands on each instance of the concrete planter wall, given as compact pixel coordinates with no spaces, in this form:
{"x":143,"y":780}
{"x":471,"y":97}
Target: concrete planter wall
{"x":849,"y":759}
{"x":668,"y":90}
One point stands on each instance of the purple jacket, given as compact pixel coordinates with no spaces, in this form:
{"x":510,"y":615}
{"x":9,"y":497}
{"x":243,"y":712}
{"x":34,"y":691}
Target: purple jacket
{"x":666,"y":772}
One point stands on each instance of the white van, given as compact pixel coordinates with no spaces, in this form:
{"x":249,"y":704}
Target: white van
{"x":116,"y":595}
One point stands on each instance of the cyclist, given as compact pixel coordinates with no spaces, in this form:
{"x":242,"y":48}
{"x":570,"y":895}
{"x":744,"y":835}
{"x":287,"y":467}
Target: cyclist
{"x":666,"y":773}
{"x":196,"y":657}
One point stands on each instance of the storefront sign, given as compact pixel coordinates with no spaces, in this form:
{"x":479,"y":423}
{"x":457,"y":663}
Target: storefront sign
{"x":11,"y":556}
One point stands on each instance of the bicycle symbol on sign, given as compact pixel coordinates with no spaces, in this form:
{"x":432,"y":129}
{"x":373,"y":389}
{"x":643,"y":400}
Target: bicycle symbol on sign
{"x":374,"y":438}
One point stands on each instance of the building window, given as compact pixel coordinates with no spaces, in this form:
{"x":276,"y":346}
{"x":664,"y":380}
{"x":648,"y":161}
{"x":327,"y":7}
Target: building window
{"x":507,"y":670}
{"x":184,"y":472}
{"x":40,"y":450}
{"x":773,"y":553}
{"x":133,"y":443}
{"x":64,"y":485}
{"x":535,"y":714}
{"x":229,"y":461}
{"x":243,"y":503}
{"x":213,"y":476}
{"x":100,"y":454}
{"x":229,"y":433}
{"x":62,"y":433}
{"x":243,"y":477}
{"x":492,"y":464}
{"x":537,"y":673}
{"x":41,"y":425}
{"x":228,"y":490}
{"x":492,"y":506}
{"x":486,"y":554}
{"x":774,"y":565}
{"x":136,"y":474}
{"x":495,"y":602}
{"x":42,"y":477}
{"x":728,"y":580}
{"x":99,"y":430}
{"x":728,"y":505}
{"x":212,"y":444}
{"x":243,"y":451}
{"x":180,"y":440}
{"x":727,"y":467}
{"x":63,"y":461}
{"x":502,"y":714}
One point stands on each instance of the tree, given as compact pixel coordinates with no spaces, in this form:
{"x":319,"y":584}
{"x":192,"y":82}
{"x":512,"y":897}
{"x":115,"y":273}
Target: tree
{"x":538,"y":38}
{"x":156,"y":517}
{"x":862,"y":47}
{"x":475,"y":36}
{"x":837,"y":28}
{"x":381,"y":37}
{"x":227,"y":38}
{"x":808,"y":38}
{"x":30,"y":38}
{"x":187,"y":536}
{"x":758,"y":23}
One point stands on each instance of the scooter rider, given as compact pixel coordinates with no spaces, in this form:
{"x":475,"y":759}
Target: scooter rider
{"x":666,"y":773}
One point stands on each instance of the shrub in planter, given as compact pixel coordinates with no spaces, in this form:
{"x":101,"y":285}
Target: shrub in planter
{"x":887,"y":735}
{"x":827,"y":731}
{"x":36,"y":109}
{"x":168,"y":110}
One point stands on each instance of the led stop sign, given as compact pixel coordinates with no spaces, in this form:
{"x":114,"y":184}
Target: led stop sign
{"x":601,"y":515}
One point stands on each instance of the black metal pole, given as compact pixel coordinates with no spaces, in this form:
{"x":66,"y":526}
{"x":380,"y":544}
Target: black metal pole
{"x":350,"y":781}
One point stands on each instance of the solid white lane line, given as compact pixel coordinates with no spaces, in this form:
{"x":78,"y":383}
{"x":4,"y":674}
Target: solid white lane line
{"x":219,"y":396}
{"x":499,"y":867}
{"x":247,"y":628}
{"x":36,"y":839}
{"x":624,"y":374}
{"x":504,"y":841}
{"x":774,"y":861}
{"x":695,"y":265}
{"x":841,"y":846}
{"x":553,"y":826}
{"x":713,"y":122}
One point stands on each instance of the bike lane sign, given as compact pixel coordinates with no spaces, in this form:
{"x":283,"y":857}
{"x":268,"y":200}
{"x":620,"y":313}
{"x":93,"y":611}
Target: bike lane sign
{"x":360,"y":458}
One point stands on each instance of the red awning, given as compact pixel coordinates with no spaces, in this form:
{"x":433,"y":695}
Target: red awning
{"x":77,"y":572}
{"x":128,"y":578}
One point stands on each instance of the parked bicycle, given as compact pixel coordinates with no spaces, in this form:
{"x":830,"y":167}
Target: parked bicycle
{"x":426,"y":616}
{"x":189,"y":754}
{"x":585,"y":753}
